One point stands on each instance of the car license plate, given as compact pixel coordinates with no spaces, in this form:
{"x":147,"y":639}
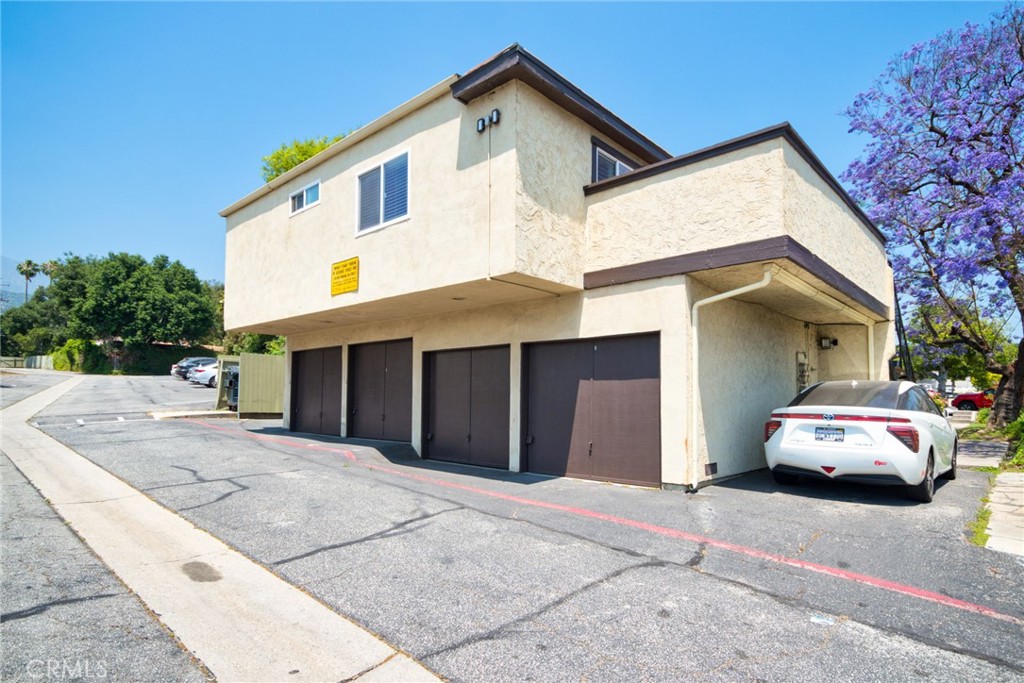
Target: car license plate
{"x":828,"y":433}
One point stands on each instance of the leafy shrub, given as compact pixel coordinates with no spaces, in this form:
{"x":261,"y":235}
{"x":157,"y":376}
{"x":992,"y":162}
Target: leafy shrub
{"x":940,"y":403}
{"x":150,"y":359}
{"x":81,"y":355}
{"x":983,"y":415}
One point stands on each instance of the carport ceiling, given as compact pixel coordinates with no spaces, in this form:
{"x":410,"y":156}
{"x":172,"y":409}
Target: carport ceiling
{"x":781,"y":297}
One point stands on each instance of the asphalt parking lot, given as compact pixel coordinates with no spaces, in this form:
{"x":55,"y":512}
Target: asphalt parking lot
{"x":485,"y":575}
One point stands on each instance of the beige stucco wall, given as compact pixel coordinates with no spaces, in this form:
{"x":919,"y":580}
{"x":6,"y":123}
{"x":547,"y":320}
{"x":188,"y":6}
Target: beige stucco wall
{"x":849,"y":360}
{"x":726,"y":200}
{"x":747,"y":367}
{"x":461,"y":218}
{"x":627,"y":309}
{"x":554,"y":163}
{"x":816,"y":218}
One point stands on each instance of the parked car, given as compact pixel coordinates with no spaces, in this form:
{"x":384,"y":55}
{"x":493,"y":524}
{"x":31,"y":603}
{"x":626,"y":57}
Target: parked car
{"x":975,"y":400}
{"x":866,"y":432}
{"x":204,"y":374}
{"x":174,"y":368}
{"x":185,"y":365}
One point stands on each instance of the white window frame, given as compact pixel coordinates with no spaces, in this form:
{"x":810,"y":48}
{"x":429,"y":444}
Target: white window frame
{"x":620,"y":167}
{"x":408,"y":193}
{"x":305,"y":205}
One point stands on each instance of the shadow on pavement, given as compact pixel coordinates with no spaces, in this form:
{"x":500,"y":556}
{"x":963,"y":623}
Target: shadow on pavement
{"x":402,"y":453}
{"x":826,"y":489}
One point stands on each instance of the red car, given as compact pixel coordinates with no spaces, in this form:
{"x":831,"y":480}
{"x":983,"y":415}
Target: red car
{"x":981,"y":399}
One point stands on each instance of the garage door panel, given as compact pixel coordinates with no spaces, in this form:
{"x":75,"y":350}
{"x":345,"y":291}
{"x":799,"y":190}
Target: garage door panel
{"x":316,"y":391}
{"x":489,"y":406}
{"x":330,"y":413}
{"x":449,"y":406}
{"x":307,"y":371}
{"x":366,"y":391}
{"x":558,"y":411}
{"x":398,"y":391}
{"x":627,"y":358}
{"x":627,"y":431}
{"x":594,"y":409}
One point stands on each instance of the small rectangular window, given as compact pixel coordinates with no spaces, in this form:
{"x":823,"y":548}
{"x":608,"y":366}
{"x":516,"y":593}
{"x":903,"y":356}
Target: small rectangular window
{"x":607,"y":166}
{"x":384,"y":193}
{"x":306,"y":197}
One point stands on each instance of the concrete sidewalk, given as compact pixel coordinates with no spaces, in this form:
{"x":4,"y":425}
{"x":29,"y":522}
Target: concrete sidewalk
{"x":243,"y":622}
{"x":1006,"y":500}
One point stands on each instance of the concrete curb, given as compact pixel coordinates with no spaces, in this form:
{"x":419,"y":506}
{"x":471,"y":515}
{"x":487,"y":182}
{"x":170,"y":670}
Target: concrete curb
{"x":239,"y":619}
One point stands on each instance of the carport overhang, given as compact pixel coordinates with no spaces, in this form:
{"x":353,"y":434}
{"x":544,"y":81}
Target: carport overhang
{"x":806,"y":288}
{"x":777,"y":273}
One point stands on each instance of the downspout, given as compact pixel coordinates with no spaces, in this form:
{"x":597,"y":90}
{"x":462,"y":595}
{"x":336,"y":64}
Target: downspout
{"x":769,"y":271}
{"x":871,"y":350}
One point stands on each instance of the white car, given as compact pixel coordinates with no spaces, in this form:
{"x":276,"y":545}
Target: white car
{"x":204,"y":374}
{"x":866,"y":432}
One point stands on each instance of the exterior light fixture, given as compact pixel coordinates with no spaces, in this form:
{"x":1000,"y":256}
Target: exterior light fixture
{"x":491,"y":119}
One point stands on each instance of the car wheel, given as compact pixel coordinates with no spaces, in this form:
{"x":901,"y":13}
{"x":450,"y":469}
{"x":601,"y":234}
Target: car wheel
{"x":212,"y":383}
{"x":951,"y":474}
{"x":924,"y":491}
{"x":785,"y":479}
{"x":968,"y":405}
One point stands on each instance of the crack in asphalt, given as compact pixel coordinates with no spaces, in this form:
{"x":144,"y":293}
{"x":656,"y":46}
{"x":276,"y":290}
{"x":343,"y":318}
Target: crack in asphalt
{"x":42,"y":607}
{"x":398,"y":529}
{"x":496,"y":632}
{"x":201,"y":480}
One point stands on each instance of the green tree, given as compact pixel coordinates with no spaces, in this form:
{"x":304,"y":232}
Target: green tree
{"x":288,"y":156}
{"x":137,"y":302}
{"x":28,"y":270}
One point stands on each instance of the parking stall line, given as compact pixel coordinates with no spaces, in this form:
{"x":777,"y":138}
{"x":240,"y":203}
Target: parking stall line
{"x":834,"y":572}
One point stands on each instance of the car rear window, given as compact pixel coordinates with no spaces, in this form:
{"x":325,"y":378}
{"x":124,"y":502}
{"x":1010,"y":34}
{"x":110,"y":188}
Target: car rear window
{"x":859,"y":394}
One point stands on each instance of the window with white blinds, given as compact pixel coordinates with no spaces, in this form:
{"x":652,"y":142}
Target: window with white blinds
{"x":607,"y":166}
{"x":384,"y":193}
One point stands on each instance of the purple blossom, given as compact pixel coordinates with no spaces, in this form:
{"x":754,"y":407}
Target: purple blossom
{"x":943,"y":172}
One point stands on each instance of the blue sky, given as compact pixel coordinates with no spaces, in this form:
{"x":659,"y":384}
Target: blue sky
{"x":128,"y":126}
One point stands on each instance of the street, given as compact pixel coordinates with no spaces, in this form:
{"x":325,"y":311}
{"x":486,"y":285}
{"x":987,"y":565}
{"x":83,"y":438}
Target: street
{"x":485,"y":575}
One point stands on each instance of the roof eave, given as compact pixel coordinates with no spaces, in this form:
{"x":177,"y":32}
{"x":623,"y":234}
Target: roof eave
{"x":515,"y":63}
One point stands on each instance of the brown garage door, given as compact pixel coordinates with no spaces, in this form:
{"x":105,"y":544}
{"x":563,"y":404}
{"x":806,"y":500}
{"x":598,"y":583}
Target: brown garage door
{"x":594,"y":409}
{"x":380,"y":390}
{"x":316,"y":391}
{"x":466,"y":406}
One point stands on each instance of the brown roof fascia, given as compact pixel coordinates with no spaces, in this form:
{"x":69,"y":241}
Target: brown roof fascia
{"x":515,"y":63}
{"x":772,"y":248}
{"x":783,"y":130}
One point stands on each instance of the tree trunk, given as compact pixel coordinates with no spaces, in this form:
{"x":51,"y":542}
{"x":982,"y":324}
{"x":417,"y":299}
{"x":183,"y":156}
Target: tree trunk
{"x":1009,"y":397}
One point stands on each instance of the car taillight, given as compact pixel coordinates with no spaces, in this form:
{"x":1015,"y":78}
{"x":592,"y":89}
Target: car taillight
{"x":907,"y":435}
{"x":770,"y":427}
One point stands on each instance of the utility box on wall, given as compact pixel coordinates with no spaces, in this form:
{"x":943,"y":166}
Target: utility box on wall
{"x":260,"y":384}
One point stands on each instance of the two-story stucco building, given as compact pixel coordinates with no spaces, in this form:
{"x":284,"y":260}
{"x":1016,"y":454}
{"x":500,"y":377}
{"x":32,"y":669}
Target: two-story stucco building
{"x":504,"y":273}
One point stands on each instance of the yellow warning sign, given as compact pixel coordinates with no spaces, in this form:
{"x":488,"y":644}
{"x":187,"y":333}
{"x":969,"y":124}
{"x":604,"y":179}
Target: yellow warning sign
{"x":345,"y":276}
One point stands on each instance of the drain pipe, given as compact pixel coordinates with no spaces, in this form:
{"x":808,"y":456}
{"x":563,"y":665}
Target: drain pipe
{"x":871,"y":350}
{"x":769,"y":271}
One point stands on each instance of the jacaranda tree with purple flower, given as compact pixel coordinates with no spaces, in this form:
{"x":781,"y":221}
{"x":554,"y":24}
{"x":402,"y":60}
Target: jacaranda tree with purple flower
{"x":943,"y":176}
